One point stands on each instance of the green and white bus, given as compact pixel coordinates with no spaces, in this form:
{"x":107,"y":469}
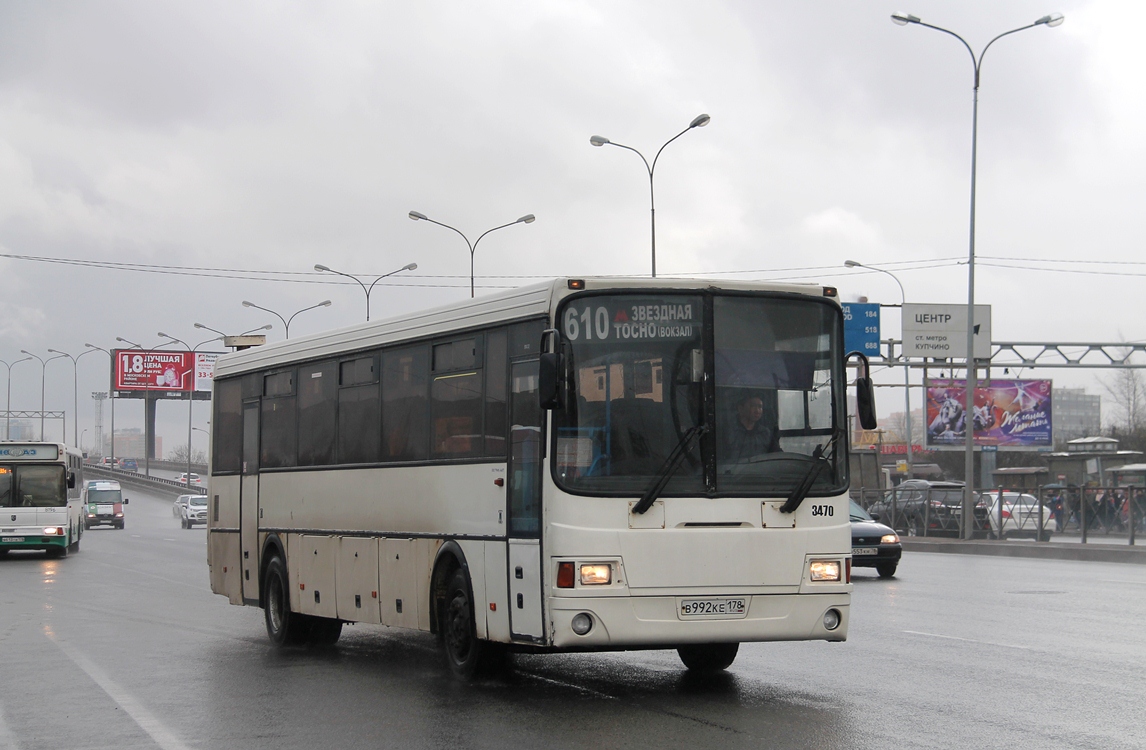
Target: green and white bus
{"x":559,"y":467}
{"x":40,"y":506}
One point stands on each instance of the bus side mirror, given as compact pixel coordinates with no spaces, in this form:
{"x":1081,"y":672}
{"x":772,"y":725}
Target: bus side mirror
{"x":865,"y":392}
{"x":549,"y":383}
{"x":865,"y":400}
{"x":71,"y":480}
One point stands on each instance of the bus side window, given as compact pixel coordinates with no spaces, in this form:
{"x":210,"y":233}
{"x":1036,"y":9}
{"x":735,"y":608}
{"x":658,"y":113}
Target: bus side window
{"x":317,"y":413}
{"x":496,"y":384}
{"x":405,"y":420}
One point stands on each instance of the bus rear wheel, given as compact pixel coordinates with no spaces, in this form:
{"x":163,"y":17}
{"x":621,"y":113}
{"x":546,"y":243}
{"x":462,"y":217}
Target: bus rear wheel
{"x":285,"y":628}
{"x":708,"y":657}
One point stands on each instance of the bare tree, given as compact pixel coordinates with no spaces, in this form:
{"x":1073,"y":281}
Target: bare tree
{"x":179,"y":453}
{"x":1126,"y":390}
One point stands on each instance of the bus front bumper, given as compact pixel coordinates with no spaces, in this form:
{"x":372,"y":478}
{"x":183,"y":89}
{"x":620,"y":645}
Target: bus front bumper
{"x":657,"y":622}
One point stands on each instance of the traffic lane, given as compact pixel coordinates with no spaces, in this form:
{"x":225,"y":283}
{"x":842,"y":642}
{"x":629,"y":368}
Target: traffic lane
{"x":146,"y":619}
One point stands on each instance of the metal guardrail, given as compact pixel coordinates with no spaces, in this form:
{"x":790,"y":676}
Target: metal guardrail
{"x":143,"y":481}
{"x":915,"y":512}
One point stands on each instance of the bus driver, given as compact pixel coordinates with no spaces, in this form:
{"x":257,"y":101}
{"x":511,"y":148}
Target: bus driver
{"x":749,"y":436}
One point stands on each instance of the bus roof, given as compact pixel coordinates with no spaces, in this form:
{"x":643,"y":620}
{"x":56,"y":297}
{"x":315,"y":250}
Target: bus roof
{"x":534,"y":300}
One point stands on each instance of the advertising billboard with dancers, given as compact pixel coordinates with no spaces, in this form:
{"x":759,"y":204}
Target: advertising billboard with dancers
{"x":1008,"y":413}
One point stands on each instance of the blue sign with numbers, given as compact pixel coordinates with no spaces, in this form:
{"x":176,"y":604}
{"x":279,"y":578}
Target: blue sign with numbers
{"x":861,"y":328}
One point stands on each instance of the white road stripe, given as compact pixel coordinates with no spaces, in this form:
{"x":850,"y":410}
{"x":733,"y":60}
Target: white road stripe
{"x":967,"y":640}
{"x":146,"y":720}
{"x":7,"y":738}
{"x":570,"y":685}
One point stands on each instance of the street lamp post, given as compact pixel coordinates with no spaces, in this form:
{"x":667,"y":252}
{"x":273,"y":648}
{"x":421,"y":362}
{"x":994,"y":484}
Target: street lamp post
{"x":906,"y":369}
{"x":598,"y":140}
{"x":111,"y":395}
{"x":408,"y":267}
{"x":527,"y":219}
{"x":8,"y":398}
{"x":75,"y":388}
{"x":902,"y":19}
{"x":286,"y":321}
{"x":82,"y":433}
{"x":43,"y":375}
{"x":190,"y":396}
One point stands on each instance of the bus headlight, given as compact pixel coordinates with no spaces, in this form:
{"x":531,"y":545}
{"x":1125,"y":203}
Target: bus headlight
{"x":596,"y":574}
{"x":824,"y":570}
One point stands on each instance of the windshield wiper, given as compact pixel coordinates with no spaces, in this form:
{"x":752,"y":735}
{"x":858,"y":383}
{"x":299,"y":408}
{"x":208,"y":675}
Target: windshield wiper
{"x":668,"y":469}
{"x":819,"y":461}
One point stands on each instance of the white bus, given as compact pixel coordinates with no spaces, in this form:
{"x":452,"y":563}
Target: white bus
{"x":40,"y":506}
{"x":587,"y":464}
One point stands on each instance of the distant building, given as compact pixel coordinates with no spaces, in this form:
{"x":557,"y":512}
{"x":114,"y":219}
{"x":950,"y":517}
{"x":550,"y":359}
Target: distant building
{"x":129,"y":443}
{"x":1075,"y":413}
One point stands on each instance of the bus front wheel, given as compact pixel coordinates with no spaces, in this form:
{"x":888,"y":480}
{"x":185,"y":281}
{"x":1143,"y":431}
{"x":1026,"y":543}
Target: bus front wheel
{"x":708,"y":657}
{"x":466,"y":654}
{"x":284,"y":627}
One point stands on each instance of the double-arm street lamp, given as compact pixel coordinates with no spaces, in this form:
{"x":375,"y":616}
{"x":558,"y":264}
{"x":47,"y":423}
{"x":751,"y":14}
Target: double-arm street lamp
{"x":75,"y":389}
{"x":8,"y":399}
{"x":599,"y":140}
{"x":903,"y":19}
{"x":43,"y":368}
{"x":111,"y":395}
{"x":190,"y":394}
{"x":286,"y":321}
{"x":906,"y":369}
{"x":321,"y":268}
{"x":527,"y":219}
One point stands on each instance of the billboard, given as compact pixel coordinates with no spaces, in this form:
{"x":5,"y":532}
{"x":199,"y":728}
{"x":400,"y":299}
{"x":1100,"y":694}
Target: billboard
{"x":1008,"y":413}
{"x":155,"y":370}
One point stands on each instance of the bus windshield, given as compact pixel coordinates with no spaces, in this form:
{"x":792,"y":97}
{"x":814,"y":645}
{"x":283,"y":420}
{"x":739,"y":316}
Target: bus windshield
{"x":763,"y":374}
{"x":105,"y":496}
{"x":33,"y":487}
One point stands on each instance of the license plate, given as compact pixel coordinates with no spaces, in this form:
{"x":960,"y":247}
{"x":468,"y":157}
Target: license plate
{"x":736,"y":607}
{"x":858,"y":551}
{"x":12,"y":539}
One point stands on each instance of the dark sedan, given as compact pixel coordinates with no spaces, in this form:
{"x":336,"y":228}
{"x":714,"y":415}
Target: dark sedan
{"x":874,"y":545}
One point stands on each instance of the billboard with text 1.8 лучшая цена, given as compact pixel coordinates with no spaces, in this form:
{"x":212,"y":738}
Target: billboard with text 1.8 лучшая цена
{"x":156,"y":370}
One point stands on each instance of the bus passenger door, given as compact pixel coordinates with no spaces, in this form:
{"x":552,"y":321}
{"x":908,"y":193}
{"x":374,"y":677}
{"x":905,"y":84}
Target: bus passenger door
{"x":524,"y":511}
{"x":249,"y":503}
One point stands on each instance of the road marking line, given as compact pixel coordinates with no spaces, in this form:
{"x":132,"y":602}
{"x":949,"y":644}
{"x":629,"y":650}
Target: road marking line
{"x":7,"y":737}
{"x":561,"y":683}
{"x":967,"y":640}
{"x":146,"y":720}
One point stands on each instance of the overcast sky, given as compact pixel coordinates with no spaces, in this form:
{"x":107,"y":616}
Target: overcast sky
{"x":268,"y":136}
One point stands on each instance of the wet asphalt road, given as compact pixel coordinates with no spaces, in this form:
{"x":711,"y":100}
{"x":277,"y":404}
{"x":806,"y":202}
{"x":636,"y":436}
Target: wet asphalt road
{"x":123,"y":646}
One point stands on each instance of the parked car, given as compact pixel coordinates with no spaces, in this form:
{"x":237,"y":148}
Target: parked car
{"x":194,"y":479}
{"x":874,"y":545}
{"x":1020,"y":515}
{"x":195,"y":511}
{"x":918,"y":507}
{"x":128,"y":464}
